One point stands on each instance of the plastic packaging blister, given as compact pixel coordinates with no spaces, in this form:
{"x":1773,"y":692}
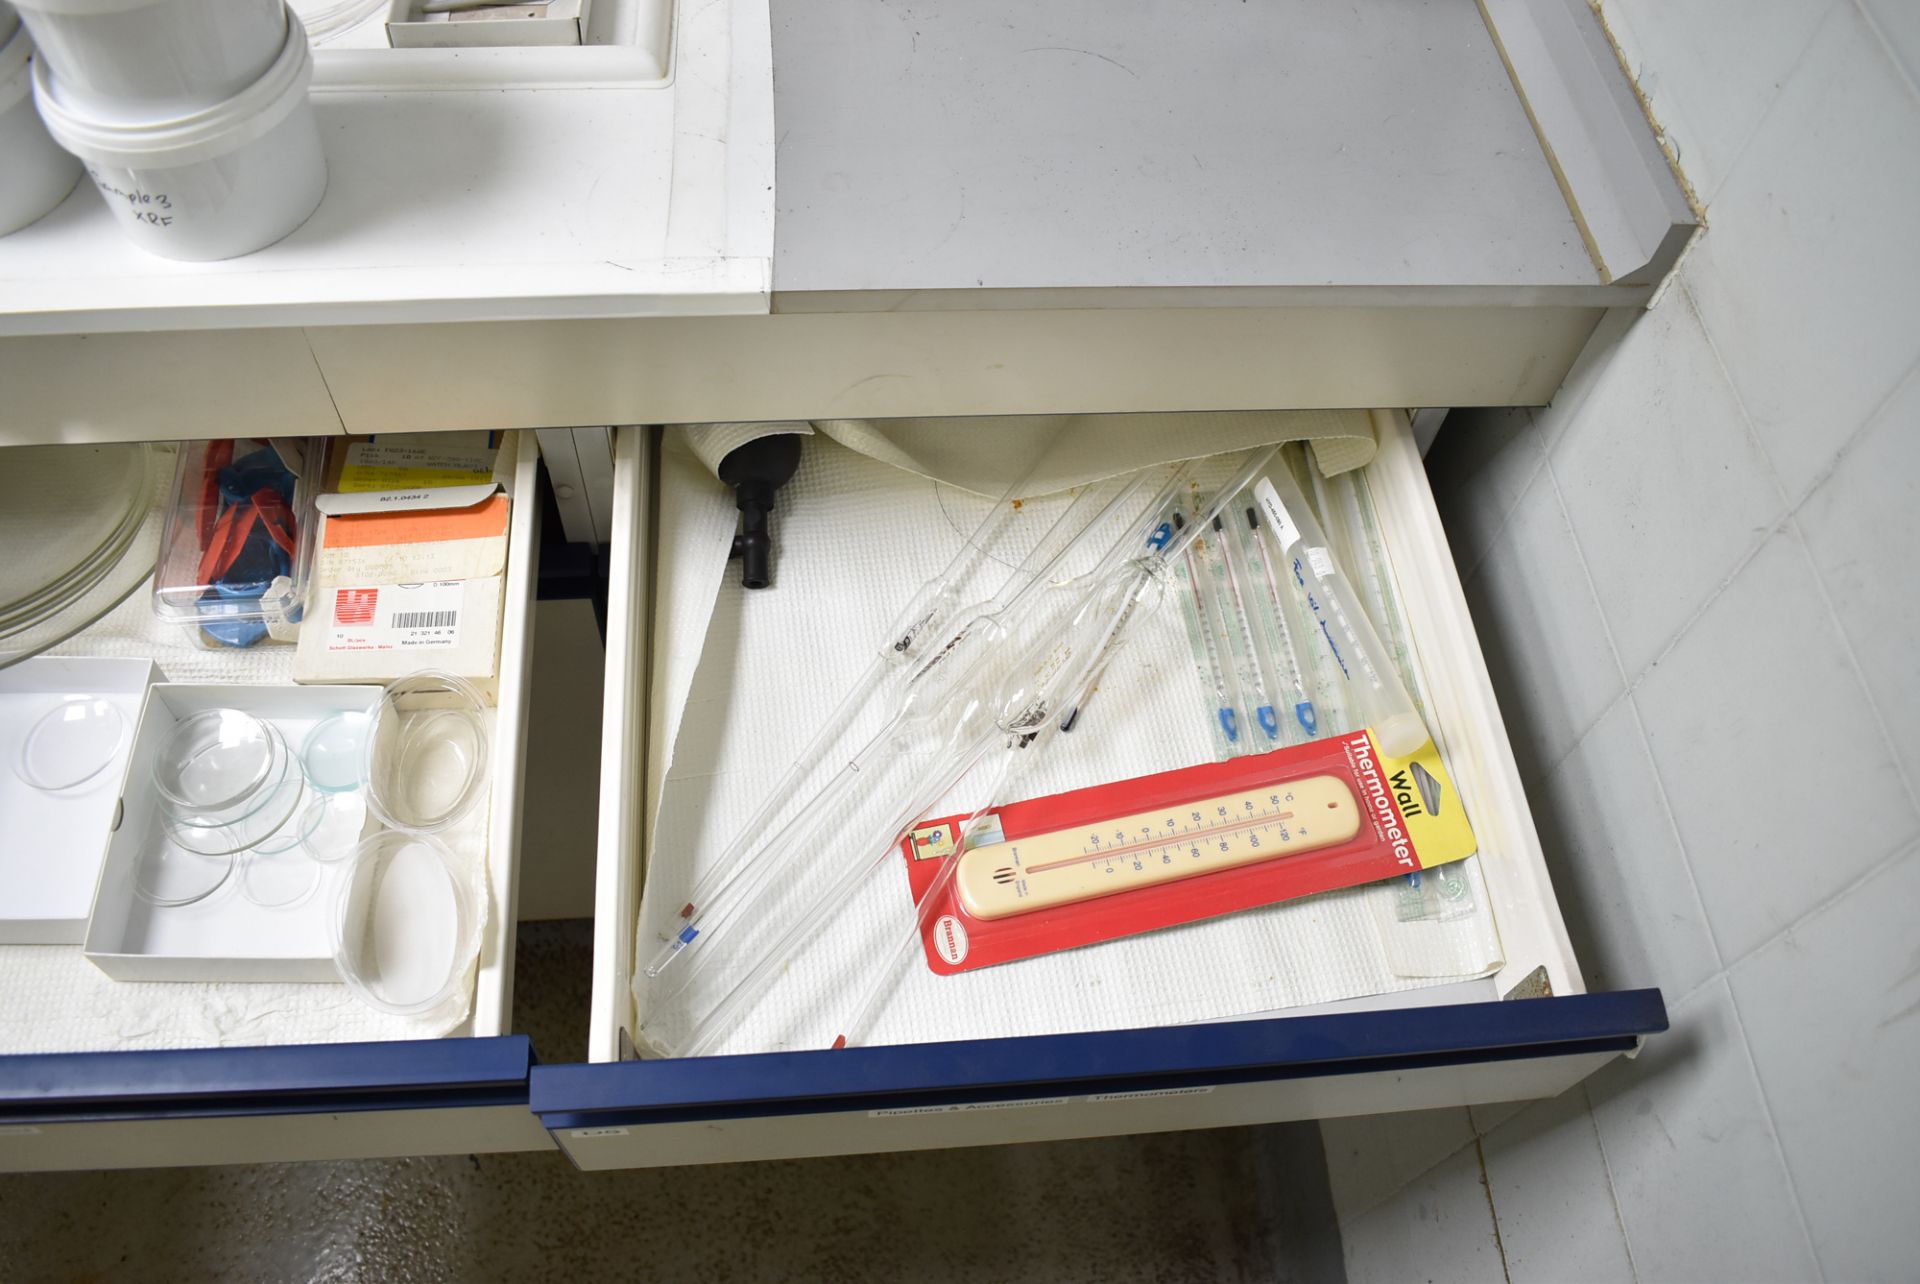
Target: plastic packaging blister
{"x":237,"y":549}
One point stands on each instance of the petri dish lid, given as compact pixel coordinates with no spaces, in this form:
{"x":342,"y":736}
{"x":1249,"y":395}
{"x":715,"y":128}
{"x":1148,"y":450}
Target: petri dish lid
{"x":171,"y":876}
{"x":262,"y":826}
{"x":406,"y":922}
{"x":279,"y":880}
{"x":59,"y":506}
{"x":426,"y":751}
{"x":213,"y":761}
{"x":334,"y":754}
{"x":71,"y":744}
{"x":85,"y":597}
{"x":299,"y":824}
{"x":337,"y":826}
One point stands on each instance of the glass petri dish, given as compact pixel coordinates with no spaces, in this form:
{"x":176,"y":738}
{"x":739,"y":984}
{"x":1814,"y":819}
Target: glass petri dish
{"x":426,"y":752}
{"x":214,"y":764}
{"x":338,"y":824}
{"x":279,"y":880}
{"x":170,"y":876}
{"x":84,"y":596}
{"x":406,"y":922}
{"x":71,"y":744}
{"x":299,"y":825}
{"x":334,"y":754}
{"x":261,"y":826}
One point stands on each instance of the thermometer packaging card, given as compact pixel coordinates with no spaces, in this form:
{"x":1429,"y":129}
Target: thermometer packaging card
{"x":1115,"y":860}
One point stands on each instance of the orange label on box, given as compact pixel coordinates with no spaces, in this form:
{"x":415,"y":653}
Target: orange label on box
{"x":369,"y":530}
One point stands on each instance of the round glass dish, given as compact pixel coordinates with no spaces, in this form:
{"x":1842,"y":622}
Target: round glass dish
{"x":426,"y":751}
{"x":337,"y":824}
{"x":299,"y":825}
{"x":71,"y":744}
{"x":263,"y":826}
{"x":170,"y":876}
{"x":214,"y":765}
{"x":334,"y":754}
{"x":279,"y":880}
{"x":406,"y":922}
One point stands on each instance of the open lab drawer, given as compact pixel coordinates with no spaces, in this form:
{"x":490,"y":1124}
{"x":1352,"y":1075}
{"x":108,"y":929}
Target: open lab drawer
{"x":460,"y":1094}
{"x":1529,"y":1031}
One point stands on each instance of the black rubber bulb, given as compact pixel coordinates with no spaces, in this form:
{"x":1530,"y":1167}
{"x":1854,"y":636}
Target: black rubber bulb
{"x":757,"y":471}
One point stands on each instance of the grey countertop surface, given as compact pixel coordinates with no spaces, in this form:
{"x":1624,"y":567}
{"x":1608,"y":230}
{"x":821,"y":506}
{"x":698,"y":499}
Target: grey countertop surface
{"x":1045,"y":144}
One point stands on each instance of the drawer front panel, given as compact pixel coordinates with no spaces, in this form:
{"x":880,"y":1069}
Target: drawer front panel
{"x":644,"y":1113}
{"x":250,"y":1105}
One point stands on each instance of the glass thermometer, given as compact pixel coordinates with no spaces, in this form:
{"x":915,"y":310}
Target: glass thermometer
{"x":1065,"y":866}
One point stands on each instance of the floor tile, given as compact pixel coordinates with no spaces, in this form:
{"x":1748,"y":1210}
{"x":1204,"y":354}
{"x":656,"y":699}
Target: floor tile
{"x":1711,"y":68}
{"x":1618,"y":871}
{"x":1862,"y":525}
{"x":1805,"y":276}
{"x":1899,"y":22}
{"x":1663,"y":483}
{"x":1697,"y":1176}
{"x":1545,"y":643}
{"x":1371,"y":1158}
{"x":1590,"y":373}
{"x":1479,"y":465}
{"x":1757,"y":718}
{"x":1832,"y":1013}
{"x":1438,"y":1229}
{"x":1551,"y":1196}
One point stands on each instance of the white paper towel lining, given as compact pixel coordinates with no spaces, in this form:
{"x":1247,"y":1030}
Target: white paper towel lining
{"x":741,"y":687}
{"x":1047,"y":453}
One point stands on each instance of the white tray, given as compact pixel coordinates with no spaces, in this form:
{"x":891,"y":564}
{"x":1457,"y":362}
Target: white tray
{"x":51,"y":843}
{"x":225,"y":937}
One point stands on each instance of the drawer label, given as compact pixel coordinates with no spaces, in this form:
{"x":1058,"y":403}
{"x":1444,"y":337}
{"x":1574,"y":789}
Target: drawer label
{"x":582,"y":1134}
{"x":18,"y":1130}
{"x":964,"y":1107}
{"x":1152,"y":1092}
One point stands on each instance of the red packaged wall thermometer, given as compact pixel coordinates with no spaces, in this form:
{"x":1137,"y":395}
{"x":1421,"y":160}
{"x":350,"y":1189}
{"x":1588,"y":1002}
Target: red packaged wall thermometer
{"x":1095,"y":864}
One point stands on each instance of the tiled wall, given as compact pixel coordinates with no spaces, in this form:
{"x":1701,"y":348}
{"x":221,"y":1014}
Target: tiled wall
{"x":1697,"y":576}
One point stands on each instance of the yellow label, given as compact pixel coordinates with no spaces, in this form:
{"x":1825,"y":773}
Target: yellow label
{"x":1436,"y":819}
{"x":418,"y":462}
{"x":354,"y":480}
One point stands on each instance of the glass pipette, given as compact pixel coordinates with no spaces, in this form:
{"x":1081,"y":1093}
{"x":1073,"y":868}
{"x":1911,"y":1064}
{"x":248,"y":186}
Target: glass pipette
{"x":1052,"y":674}
{"x":1154,"y":566}
{"x":1000,"y":730}
{"x":901,"y":649}
{"x":1256,"y":664}
{"x":1376,"y":697}
{"x":738,"y":881}
{"x":1278,"y":654}
{"x":1227,"y":698}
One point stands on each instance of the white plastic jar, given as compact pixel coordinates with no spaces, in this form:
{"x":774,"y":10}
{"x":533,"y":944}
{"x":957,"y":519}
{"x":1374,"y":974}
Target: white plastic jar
{"x":214,"y":184}
{"x":35,"y":175}
{"x":155,"y":57}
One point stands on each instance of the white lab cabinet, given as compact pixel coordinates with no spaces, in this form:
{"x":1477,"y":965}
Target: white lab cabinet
{"x":1423,"y":205}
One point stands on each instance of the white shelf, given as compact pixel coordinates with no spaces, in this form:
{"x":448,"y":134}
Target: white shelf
{"x":463,"y":185}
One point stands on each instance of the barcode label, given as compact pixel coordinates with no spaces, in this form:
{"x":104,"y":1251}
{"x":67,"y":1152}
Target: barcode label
{"x":397,"y":617}
{"x":425,"y":619}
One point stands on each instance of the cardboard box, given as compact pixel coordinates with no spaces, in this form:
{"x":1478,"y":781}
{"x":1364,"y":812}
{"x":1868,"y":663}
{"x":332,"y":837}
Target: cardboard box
{"x":225,"y":937}
{"x":52,"y":844}
{"x":410,"y":571}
